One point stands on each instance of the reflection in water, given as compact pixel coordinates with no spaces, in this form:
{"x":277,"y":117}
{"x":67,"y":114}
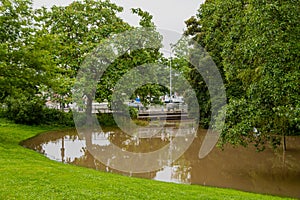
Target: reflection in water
{"x":240,"y":168}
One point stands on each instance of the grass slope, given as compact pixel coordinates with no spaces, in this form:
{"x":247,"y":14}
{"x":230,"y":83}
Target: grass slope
{"x":25,"y":174}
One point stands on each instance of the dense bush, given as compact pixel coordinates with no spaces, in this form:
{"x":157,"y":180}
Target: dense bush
{"x":53,"y":116}
{"x":106,"y":119}
{"x":24,"y":110}
{"x":32,"y":110}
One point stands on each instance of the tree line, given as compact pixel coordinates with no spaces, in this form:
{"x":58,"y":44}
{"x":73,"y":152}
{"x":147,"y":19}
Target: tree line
{"x":43,"y":49}
{"x":254,"y":43}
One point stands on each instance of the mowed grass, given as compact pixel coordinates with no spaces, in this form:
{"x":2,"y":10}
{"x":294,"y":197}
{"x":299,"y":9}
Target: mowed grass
{"x":25,"y":174}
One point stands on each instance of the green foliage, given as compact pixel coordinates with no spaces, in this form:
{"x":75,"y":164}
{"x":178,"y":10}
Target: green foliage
{"x":41,"y":52}
{"x":76,"y":30}
{"x":54,"y":116}
{"x":133,"y":112}
{"x":146,"y":18}
{"x":25,"y":63}
{"x":31,"y":110}
{"x":209,"y":29}
{"x":256,"y":46}
{"x":106,"y":119}
{"x":24,"y":109}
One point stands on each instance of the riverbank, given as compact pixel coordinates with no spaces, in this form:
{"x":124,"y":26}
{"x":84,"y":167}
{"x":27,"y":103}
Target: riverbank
{"x":26,"y":174}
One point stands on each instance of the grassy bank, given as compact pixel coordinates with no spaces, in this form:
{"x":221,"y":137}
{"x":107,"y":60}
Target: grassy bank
{"x":26,"y":174}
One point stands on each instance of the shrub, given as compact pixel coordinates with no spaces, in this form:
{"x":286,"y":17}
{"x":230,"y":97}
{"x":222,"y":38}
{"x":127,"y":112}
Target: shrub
{"x":106,"y":119}
{"x":24,"y":110}
{"x":32,"y":111}
{"x":53,"y":116}
{"x":133,"y":112}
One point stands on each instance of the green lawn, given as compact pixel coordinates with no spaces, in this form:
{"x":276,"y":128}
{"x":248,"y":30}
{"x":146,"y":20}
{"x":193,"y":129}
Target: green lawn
{"x":26,"y":174}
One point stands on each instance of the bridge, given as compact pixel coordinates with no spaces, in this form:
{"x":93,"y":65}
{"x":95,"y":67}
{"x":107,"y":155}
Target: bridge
{"x":161,"y":115}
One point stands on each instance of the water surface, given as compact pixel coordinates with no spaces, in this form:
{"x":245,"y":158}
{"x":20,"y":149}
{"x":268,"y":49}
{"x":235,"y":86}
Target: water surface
{"x":269,"y":172}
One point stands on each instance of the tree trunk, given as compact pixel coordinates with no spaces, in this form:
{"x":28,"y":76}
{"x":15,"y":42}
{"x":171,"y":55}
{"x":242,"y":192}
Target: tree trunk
{"x":284,"y":143}
{"x":88,"y":111}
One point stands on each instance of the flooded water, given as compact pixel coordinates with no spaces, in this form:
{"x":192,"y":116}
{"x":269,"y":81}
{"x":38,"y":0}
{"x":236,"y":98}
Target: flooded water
{"x":240,"y":168}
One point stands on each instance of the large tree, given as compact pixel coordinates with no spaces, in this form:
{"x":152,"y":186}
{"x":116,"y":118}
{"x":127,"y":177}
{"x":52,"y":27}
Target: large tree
{"x":76,"y":30}
{"x":113,"y":58}
{"x":256,"y":45}
{"x":25,"y":62}
{"x":209,"y":28}
{"x":135,"y":55}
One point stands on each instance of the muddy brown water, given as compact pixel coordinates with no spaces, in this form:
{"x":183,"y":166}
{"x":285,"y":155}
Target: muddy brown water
{"x":267,"y":172}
